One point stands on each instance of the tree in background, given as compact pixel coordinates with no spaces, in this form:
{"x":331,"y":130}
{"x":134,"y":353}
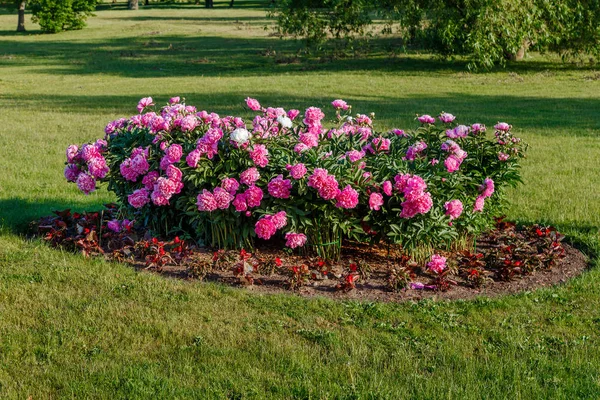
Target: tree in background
{"x":21,"y":21}
{"x":61,"y":15}
{"x":132,"y":4}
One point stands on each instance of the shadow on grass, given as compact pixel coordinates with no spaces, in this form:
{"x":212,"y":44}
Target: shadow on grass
{"x":578,"y":118}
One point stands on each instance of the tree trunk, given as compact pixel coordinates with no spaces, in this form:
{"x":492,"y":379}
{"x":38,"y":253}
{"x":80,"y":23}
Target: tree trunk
{"x":146,"y":2}
{"x":231,"y":4}
{"x":208,"y":3}
{"x":133,"y":4}
{"x":21,"y":23}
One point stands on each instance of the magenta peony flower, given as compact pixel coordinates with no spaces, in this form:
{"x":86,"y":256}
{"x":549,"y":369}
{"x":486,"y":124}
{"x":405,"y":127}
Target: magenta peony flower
{"x":143,"y":103}
{"x":189,"y":123}
{"x":174,"y":100}
{"x":446,"y":118}
{"x":325,"y":184}
{"x":452,"y":163}
{"x":454,"y":208}
{"x":165,"y":187}
{"x":71,"y":172}
{"x":114,"y":226}
{"x":294,"y":240}
{"x":418,"y":203}
{"x":72,"y":153}
{"x":259,"y":155}
{"x":279,"y":219}
{"x":249,"y":176}
{"x":375,"y":201}
{"x":292,"y":114}
{"x":340,"y":104}
{"x":193,"y":158}
{"x":86,"y":183}
{"x":487,"y":188}
{"x":206,"y":201}
{"x":174,"y":173}
{"x":265,"y":228}
{"x":240,"y":203}
{"x":437,"y":263}
{"x":173,"y":153}
{"x":89,"y":151}
{"x":479,"y":203}
{"x":477,"y":128}
{"x":347,"y":198}
{"x":254,"y":196}
{"x":139,"y":198}
{"x":355,"y":155}
{"x":387,"y":188}
{"x":399,"y":132}
{"x":97,"y":167}
{"x":150,"y":179}
{"x":230,"y":184}
{"x":279,"y":187}
{"x":252,"y":104}
{"x":223,"y":198}
{"x":297,"y":171}
{"x":426,"y":119}
{"x":313,"y":116}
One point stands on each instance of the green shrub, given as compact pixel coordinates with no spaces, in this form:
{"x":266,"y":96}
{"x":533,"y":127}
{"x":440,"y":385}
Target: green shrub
{"x":61,"y":15}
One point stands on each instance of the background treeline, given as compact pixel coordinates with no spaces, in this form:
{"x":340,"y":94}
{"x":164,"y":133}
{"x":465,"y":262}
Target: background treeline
{"x":489,"y":32}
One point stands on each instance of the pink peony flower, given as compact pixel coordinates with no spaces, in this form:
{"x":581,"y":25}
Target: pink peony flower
{"x":313,"y":116}
{"x":279,"y":219}
{"x":426,"y":119}
{"x":502,"y":126}
{"x":437,"y":263}
{"x":230,"y":184}
{"x":340,"y":104}
{"x":309,"y":139}
{"x":249,"y":176}
{"x":487,"y":188}
{"x":294,"y":240}
{"x":452,"y":163}
{"x":347,"y":198}
{"x":165,"y":187}
{"x":375,"y":201}
{"x":292,"y":114}
{"x":174,"y":100}
{"x":173,"y":153}
{"x":477,"y":128}
{"x":89,"y":151}
{"x":418,"y":203}
{"x":139,"y":198}
{"x":193,"y":158}
{"x":114,"y":226}
{"x":503,"y":156}
{"x":279,"y":187}
{"x":223,"y":198}
{"x":355,"y":155}
{"x":206,"y":201}
{"x":150,"y":179}
{"x":72,"y":153}
{"x":479,"y":203}
{"x":259,"y":155}
{"x":174,"y":173}
{"x":254,"y":196}
{"x":143,"y":103}
{"x":265,"y":228}
{"x":86,"y":183}
{"x":398,"y":132}
{"x":189,"y":123}
{"x":446,"y":118}
{"x":97,"y":167}
{"x":325,"y":184}
{"x":297,"y":171}
{"x":252,"y":104}
{"x":387,"y":188}
{"x":454,"y":208}
{"x":71,"y":172}
{"x":415,"y":150}
{"x":240,"y":203}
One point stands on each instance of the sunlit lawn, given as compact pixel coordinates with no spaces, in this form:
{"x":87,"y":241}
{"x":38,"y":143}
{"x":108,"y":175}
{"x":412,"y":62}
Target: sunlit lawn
{"x":72,"y":327}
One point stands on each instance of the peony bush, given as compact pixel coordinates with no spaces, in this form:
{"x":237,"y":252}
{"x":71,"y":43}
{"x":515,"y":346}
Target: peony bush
{"x":294,"y":177}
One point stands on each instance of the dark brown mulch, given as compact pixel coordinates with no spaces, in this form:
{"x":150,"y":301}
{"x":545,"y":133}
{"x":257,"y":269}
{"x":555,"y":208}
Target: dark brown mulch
{"x":508,"y":259}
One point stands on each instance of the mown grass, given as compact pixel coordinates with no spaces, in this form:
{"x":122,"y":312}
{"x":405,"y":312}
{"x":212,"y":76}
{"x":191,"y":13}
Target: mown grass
{"x":72,"y":327}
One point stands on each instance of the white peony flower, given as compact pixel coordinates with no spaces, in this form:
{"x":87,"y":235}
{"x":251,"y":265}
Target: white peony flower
{"x":284,"y":121}
{"x":240,"y":136}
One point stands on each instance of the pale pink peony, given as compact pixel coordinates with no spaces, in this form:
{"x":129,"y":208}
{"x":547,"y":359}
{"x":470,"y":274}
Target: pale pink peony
{"x":279,"y":187}
{"x":294,"y":240}
{"x":189,"y":123}
{"x":313,"y":116}
{"x":452,"y":163}
{"x":355,"y":155}
{"x":479,"y":203}
{"x":477,"y":128}
{"x":279,"y":219}
{"x":72,"y":153}
{"x":86,"y":183}
{"x":375,"y":201}
{"x":143,"y":103}
{"x":249,"y":176}
{"x":503,"y":156}
{"x":437,"y":263}
{"x":454,"y":208}
{"x":426,"y":119}
{"x":502,"y":126}
{"x":446,"y":117}
{"x":206,"y":201}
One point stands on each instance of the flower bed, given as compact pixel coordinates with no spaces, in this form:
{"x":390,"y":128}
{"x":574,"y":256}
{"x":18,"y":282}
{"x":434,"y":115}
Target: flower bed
{"x":290,"y":177}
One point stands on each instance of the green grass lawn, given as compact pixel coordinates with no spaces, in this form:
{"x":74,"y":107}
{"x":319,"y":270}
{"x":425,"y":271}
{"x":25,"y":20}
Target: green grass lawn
{"x":79,"y":328}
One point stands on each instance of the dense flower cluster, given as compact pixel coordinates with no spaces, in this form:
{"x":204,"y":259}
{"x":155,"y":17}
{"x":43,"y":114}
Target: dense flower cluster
{"x":284,"y":173}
